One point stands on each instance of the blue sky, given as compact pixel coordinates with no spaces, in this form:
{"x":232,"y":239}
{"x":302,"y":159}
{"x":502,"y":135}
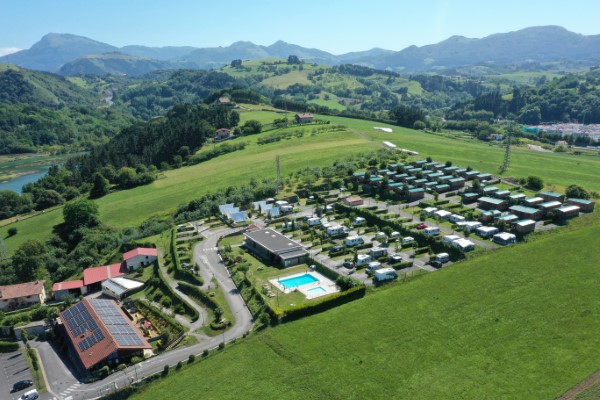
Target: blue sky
{"x":333,"y":25}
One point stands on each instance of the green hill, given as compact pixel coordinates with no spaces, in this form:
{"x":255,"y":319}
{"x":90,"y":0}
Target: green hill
{"x":40,"y":110}
{"x":518,"y":322}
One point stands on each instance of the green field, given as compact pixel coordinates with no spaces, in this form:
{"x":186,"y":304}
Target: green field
{"x":179,"y":186}
{"x":516,"y":323}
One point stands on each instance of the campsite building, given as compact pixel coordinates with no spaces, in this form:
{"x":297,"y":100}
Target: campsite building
{"x":271,"y":246}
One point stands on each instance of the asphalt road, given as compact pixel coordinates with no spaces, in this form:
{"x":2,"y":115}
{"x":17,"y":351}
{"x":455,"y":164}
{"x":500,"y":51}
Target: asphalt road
{"x":14,"y":368}
{"x":62,"y":383}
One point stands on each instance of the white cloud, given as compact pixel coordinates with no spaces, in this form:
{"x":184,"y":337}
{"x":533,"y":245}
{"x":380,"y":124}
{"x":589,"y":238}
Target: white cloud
{"x":8,"y":50}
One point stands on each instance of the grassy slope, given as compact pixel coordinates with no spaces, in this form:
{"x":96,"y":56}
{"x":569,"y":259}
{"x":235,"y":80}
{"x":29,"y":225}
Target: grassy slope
{"x":179,"y":186}
{"x":515,"y":323}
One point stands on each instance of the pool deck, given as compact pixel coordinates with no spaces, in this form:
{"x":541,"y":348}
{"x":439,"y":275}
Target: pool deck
{"x":327,"y":284}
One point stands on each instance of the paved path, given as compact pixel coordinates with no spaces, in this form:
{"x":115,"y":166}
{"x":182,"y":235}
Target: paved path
{"x":62,"y":383}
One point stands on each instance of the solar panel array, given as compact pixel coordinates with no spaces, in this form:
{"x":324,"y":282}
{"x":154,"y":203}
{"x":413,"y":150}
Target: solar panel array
{"x":239,"y":216}
{"x":117,"y":323}
{"x":80,"y":322}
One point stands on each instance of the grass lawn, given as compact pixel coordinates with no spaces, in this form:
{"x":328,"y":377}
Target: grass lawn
{"x":122,"y":208}
{"x":285,"y":80}
{"x":519,"y":322}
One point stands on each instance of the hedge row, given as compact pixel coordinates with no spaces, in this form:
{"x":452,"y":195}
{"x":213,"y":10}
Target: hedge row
{"x":197,"y":294}
{"x":180,"y":274}
{"x":8,"y":347}
{"x":167,"y":290}
{"x":303,"y":310}
{"x":158,"y":318}
{"x":402,"y":265}
{"x":254,"y":299}
{"x":423,"y":240}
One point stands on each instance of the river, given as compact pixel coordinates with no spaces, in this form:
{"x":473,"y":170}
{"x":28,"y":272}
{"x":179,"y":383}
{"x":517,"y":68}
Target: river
{"x":16,"y":184}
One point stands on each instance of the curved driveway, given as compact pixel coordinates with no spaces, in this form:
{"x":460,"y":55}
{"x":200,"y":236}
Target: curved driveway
{"x":243,"y":323}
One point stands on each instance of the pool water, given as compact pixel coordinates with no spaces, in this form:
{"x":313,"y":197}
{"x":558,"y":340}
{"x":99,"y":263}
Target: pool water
{"x":317,"y":291}
{"x":296,"y":281}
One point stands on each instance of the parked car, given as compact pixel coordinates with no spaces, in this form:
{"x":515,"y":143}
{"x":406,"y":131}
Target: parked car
{"x":436,"y":264}
{"x":336,"y":249}
{"x":20,"y":385}
{"x":421,"y":226}
{"x":31,"y":395}
{"x":348,"y":264}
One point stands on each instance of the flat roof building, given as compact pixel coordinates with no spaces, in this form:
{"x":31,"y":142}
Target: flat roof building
{"x":527,"y":212}
{"x":275,"y":248}
{"x":583,"y":204}
{"x":491,"y":203}
{"x":567,"y":212}
{"x":119,"y":288}
{"x":552,"y":196}
{"x":524,"y":226}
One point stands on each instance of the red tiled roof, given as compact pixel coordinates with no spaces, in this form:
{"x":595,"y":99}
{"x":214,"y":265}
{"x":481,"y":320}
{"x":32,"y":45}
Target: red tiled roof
{"x":67,"y":285}
{"x":223,"y":130}
{"x":353,"y":199}
{"x":140,"y":251}
{"x":101,"y":348}
{"x":304,"y":115}
{"x":21,"y":290}
{"x":99,"y":274}
{"x":224,"y":100}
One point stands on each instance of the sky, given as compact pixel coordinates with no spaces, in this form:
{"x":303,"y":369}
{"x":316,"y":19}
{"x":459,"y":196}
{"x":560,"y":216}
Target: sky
{"x":336,"y":26}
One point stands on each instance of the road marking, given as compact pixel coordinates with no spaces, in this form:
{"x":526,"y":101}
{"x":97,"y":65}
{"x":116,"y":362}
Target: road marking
{"x":211,"y":249}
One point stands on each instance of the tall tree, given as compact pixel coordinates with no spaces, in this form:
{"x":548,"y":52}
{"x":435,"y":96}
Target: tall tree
{"x":81,"y":214}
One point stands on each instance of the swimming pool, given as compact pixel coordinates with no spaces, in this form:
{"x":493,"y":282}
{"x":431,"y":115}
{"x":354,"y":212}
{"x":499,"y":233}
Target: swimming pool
{"x":317,"y":291}
{"x":290,"y":283}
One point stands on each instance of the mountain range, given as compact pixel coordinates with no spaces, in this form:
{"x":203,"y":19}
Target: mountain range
{"x":70,"y":54}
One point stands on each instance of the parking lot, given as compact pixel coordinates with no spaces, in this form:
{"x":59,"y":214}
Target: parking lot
{"x":14,"y":369}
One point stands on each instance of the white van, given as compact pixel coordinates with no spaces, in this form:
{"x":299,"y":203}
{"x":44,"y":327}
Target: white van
{"x":31,"y":395}
{"x":313,"y":221}
{"x":373,"y":266}
{"x":394,"y":235}
{"x":408,"y":239}
{"x":442,"y":257}
{"x":354,"y":241}
{"x":385,"y":274}
{"x":432,"y":231}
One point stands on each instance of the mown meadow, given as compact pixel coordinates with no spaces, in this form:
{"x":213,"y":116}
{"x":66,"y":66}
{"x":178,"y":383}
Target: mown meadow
{"x":517,"y":322}
{"x":174,"y":187}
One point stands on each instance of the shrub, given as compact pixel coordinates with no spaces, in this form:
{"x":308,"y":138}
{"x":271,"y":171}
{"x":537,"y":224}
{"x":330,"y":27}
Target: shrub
{"x":221,"y":345}
{"x":7,"y":347}
{"x":205,"y":353}
{"x":166,"y":370}
{"x":104,"y":371}
{"x":179,"y":365}
{"x":192,"y":358}
{"x":12,"y":231}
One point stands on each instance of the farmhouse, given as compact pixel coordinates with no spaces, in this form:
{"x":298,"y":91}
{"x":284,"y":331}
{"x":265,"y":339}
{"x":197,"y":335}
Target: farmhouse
{"x":13,"y":297}
{"x":583,"y":204}
{"x":139,"y":257}
{"x":74,"y":288}
{"x":268,"y":244}
{"x":222,"y":134}
{"x":526,"y":212}
{"x":93,"y":277}
{"x":99,"y":333}
{"x":304,"y":118}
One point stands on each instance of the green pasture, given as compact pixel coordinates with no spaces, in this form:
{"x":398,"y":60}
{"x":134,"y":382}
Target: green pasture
{"x":130,"y":207}
{"x":285,"y":80}
{"x":518,"y":322}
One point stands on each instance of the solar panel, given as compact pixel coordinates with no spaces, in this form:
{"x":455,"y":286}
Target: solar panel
{"x":238,"y":216}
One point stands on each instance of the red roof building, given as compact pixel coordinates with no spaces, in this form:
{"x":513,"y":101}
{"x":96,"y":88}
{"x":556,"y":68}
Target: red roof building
{"x":139,"y":257}
{"x":22,"y":295}
{"x":99,"y":274}
{"x":100,"y":334}
{"x":353,"y":201}
{"x":304,"y":118}
{"x":140,"y":251}
{"x":61,"y":289}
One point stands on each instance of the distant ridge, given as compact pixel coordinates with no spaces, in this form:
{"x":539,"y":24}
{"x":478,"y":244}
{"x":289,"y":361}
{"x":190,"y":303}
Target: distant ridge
{"x":66,"y":53}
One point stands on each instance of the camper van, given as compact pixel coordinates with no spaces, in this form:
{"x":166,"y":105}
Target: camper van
{"x":442,"y":257}
{"x":373,"y":266}
{"x":335,"y":230}
{"x":377,"y":252}
{"x":354,"y":241}
{"x":394,"y":235}
{"x":359,"y":221}
{"x":385,"y":274}
{"x":313,"y":221}
{"x":432,"y":231}
{"x":362,"y":259}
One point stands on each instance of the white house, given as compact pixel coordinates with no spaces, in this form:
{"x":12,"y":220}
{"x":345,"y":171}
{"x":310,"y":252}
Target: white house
{"x":487,"y":231}
{"x":442,"y":214}
{"x":139,"y":257}
{"x":429,"y":211}
{"x":13,"y":297}
{"x":457,"y":218}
